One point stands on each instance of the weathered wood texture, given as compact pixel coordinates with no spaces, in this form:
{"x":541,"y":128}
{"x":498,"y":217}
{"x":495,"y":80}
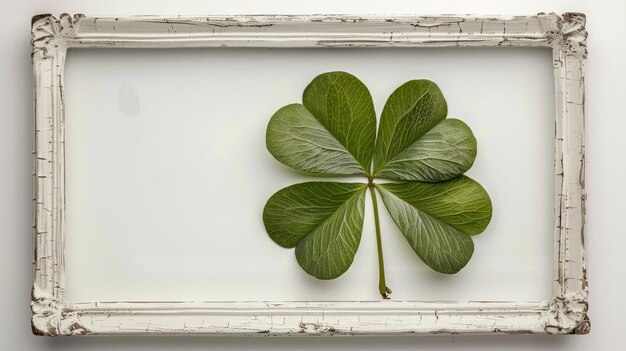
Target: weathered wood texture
{"x":565,"y":313}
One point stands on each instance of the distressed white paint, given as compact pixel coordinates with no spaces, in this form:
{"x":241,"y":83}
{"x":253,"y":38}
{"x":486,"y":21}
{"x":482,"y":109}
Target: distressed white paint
{"x":53,"y":314}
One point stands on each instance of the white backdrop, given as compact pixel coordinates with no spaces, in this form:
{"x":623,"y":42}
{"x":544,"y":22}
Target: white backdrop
{"x":605,"y":169}
{"x":165,"y":194}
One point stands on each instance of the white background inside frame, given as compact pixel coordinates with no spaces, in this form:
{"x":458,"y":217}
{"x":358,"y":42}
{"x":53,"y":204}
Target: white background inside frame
{"x":167,"y":173}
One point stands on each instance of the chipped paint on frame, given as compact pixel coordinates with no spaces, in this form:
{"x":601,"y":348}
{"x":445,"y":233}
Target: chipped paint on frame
{"x":564,"y":313}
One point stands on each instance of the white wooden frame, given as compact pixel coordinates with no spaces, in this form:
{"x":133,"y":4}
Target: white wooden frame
{"x":564,"y":313}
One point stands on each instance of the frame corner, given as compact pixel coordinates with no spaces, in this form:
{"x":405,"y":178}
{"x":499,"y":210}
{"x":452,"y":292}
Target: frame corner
{"x":51,"y":317}
{"x":49,"y":32}
{"x":575,"y":33}
{"x":568,"y":315}
{"x":46,"y":315}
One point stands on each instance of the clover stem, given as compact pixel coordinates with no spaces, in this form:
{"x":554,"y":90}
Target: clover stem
{"x":382,"y":286}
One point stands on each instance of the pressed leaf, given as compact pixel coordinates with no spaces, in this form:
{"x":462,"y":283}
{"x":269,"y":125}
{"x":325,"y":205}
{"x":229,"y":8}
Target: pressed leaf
{"x":296,"y":138}
{"x":322,"y":220}
{"x":442,"y":153}
{"x":343,"y":105}
{"x":438,"y":219}
{"x":333,"y":132}
{"x":411,"y":110}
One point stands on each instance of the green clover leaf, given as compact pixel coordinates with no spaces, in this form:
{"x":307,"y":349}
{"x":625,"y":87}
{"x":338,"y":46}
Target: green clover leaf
{"x":333,"y":133}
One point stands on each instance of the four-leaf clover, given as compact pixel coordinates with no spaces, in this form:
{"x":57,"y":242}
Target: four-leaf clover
{"x":420,"y":152}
